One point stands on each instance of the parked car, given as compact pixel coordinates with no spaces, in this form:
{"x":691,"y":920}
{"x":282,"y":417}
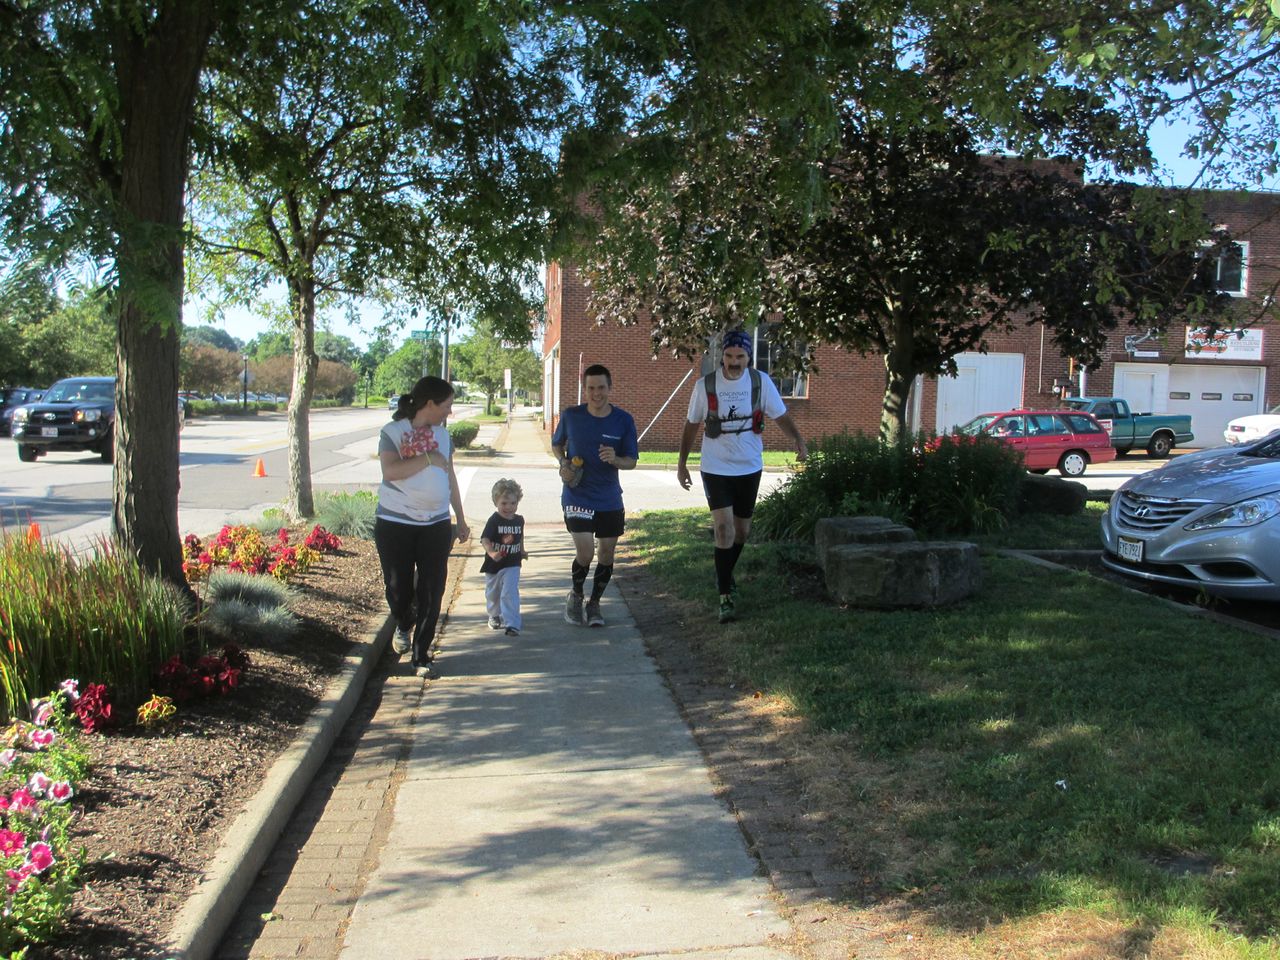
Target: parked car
{"x":1158,"y":433}
{"x":77,"y":413}
{"x":1253,"y":427}
{"x":393,"y":401}
{"x":11,"y":398}
{"x":1046,"y":439}
{"x":1209,"y":520}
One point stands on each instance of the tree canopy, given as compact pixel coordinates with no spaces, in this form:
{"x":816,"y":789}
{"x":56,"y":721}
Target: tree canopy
{"x":925,"y":248}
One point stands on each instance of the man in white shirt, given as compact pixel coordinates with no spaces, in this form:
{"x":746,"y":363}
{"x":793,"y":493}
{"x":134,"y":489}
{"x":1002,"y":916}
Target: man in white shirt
{"x":731,"y":405}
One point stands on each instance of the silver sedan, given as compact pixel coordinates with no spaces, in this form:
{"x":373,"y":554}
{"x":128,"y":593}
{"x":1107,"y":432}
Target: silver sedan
{"x":1208,"y":521}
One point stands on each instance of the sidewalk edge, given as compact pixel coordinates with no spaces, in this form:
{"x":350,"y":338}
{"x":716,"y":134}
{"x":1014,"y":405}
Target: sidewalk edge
{"x":230,"y":874}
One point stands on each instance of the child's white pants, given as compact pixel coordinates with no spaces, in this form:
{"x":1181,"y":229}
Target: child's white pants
{"x":502,"y":596}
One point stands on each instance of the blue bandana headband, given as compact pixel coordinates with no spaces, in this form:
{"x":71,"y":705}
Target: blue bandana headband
{"x":736,"y":338}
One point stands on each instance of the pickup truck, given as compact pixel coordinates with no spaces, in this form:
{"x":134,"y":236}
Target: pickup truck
{"x":1159,"y":433}
{"x":75,"y":414}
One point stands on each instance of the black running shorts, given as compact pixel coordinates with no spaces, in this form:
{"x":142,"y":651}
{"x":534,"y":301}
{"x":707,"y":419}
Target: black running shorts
{"x":737,"y":492}
{"x":605,"y":524}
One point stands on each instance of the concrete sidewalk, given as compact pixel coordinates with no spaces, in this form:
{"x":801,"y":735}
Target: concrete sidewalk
{"x":542,"y":797}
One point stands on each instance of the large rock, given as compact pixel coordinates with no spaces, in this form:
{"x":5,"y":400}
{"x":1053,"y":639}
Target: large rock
{"x":891,"y":575}
{"x":838,"y":531}
{"x":1039,"y":494}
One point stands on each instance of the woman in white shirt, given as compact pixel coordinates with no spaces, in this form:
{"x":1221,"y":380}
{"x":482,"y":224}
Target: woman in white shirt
{"x":413,"y":532}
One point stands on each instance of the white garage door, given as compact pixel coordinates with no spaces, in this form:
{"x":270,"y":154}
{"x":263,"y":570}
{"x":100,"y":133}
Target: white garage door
{"x":984,"y":383}
{"x":1213,"y":396}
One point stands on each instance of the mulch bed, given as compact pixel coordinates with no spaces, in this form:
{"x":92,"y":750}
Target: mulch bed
{"x":158,"y":802}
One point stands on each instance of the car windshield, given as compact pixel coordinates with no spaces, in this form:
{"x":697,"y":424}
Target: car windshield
{"x":75,"y":391}
{"x":1269,"y":448}
{"x":976,"y":426}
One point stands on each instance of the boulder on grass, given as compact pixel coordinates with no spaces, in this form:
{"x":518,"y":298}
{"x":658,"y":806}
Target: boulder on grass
{"x":1038,"y":494}
{"x":837,"y":531}
{"x":888,"y":576}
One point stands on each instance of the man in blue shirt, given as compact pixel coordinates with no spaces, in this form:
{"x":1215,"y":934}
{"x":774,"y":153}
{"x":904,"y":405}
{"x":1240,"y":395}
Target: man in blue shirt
{"x":592,"y":442}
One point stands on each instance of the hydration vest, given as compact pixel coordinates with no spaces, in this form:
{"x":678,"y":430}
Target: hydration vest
{"x":712,"y":426}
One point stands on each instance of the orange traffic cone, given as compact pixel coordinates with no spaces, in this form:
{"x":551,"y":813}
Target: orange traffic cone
{"x":33,"y":532}
{"x":259,"y":470}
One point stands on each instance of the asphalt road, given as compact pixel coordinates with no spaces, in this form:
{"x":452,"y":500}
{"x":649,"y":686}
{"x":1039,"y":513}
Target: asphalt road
{"x":67,"y":492}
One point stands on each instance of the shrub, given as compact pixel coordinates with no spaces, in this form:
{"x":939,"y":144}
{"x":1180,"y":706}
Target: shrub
{"x":348,"y":514}
{"x":463,"y":433}
{"x":100,"y":617}
{"x":245,"y":605}
{"x":939,"y":486}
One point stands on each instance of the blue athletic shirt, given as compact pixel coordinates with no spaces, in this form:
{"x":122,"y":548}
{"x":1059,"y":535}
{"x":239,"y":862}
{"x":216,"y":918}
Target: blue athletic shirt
{"x":581,"y":435}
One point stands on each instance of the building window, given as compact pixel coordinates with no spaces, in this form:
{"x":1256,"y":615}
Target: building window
{"x":780,"y":361}
{"x":1233,"y":269}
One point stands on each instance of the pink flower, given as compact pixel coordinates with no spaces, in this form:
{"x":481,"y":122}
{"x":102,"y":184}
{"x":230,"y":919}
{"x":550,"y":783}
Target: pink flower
{"x":20,"y":801}
{"x":38,"y":783}
{"x":71,"y":688}
{"x":7,"y":757}
{"x":61,"y":792}
{"x":42,"y":713}
{"x":18,"y":877}
{"x":11,"y":842}
{"x":42,"y":738}
{"x":40,"y":857}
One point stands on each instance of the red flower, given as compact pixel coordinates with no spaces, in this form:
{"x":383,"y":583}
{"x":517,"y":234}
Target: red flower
{"x":93,"y":709}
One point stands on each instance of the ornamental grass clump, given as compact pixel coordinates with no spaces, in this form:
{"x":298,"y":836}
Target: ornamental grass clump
{"x":348,"y":514}
{"x":241,"y":604}
{"x":41,"y":765}
{"x":99,"y":617}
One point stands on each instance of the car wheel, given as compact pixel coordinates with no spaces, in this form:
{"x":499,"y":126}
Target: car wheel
{"x":1072,"y":464}
{"x":1159,"y":446}
{"x":107,"y":451}
{"x":1123,"y":451}
{"x":27,"y":453}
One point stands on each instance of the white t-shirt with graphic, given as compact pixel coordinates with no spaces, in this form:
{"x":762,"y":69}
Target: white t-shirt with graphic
{"x":424,"y":497}
{"x":737,"y":451}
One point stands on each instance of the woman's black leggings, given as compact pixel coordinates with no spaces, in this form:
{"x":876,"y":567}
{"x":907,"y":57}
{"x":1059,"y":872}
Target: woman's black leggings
{"x":415,"y":564}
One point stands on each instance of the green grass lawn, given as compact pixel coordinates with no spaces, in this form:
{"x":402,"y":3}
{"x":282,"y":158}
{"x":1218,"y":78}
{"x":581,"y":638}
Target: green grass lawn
{"x":772,"y":458}
{"x":1054,"y":744}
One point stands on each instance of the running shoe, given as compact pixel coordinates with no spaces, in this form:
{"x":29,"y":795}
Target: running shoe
{"x":427,"y":671}
{"x":512,"y":632}
{"x":593,"y":614}
{"x":573,"y":608}
{"x":726,"y":608}
{"x":495,"y":623}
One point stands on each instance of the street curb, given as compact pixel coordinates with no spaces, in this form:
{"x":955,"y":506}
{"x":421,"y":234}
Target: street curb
{"x":228,"y":877}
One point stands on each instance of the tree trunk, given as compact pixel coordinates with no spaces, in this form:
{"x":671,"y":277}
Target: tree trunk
{"x":899,"y":370}
{"x":301,"y":504}
{"x":157,"y":72}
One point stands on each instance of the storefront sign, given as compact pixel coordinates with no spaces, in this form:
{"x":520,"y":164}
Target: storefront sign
{"x":1224,"y":345}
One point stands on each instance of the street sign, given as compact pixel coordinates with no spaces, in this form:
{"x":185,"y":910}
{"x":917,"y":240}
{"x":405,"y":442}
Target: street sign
{"x":418,"y":335}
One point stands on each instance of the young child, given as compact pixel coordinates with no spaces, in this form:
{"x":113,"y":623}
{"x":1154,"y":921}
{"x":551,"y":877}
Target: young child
{"x":503,"y":541}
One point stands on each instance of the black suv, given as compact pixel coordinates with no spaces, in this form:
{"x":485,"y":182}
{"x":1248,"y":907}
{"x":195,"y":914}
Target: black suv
{"x":75,"y":414}
{"x":12,"y":398}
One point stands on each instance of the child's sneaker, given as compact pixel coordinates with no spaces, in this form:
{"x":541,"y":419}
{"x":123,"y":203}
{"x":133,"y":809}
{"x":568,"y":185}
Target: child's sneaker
{"x":495,"y":623}
{"x":512,"y":632}
{"x":402,"y":642}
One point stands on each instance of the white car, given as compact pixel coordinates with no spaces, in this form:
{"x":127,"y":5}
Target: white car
{"x":1253,"y":427}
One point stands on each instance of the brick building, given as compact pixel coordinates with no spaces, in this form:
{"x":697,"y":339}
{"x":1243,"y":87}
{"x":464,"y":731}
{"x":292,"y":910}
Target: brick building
{"x":1167,"y":374}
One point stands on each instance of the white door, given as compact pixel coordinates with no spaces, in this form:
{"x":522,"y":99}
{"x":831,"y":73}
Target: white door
{"x":1138,"y":389}
{"x":1214,"y":396}
{"x":984,"y":383}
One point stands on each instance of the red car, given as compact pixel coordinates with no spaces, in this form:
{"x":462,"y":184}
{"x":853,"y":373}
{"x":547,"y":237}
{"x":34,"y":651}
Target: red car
{"x":1065,"y":439}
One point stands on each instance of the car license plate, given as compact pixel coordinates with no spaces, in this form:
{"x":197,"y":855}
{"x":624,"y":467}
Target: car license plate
{"x":1130,"y":550}
{"x":48,"y":431}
